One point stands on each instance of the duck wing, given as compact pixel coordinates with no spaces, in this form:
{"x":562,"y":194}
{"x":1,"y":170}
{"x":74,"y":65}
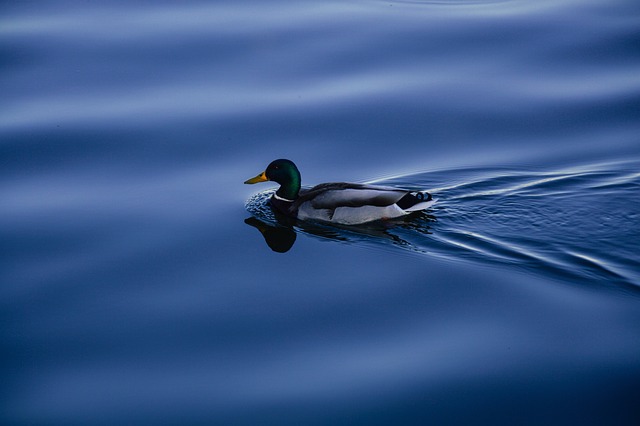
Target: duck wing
{"x":341,"y":194}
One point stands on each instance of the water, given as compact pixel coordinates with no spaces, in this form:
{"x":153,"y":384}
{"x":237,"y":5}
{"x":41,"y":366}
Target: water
{"x":143,"y":283}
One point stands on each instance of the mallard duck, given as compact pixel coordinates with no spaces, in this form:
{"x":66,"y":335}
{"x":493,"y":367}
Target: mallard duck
{"x":338,"y":202}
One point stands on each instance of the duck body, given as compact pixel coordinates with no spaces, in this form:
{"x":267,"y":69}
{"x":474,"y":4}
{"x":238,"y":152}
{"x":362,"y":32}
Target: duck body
{"x":338,"y":202}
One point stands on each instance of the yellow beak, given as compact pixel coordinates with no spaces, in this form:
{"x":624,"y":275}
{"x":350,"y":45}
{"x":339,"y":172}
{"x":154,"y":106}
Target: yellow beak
{"x":260,"y":178}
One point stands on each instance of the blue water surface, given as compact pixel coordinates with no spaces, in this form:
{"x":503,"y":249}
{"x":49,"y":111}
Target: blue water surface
{"x":143,"y":283}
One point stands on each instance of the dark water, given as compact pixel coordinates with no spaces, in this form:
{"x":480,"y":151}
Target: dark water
{"x":137,"y":288}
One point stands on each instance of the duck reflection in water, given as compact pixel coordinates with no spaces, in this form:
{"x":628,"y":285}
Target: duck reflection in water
{"x":279,"y":231}
{"x":279,"y":238}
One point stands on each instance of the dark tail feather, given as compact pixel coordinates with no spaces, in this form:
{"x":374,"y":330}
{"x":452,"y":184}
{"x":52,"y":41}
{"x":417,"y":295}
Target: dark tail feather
{"x":411,"y":199}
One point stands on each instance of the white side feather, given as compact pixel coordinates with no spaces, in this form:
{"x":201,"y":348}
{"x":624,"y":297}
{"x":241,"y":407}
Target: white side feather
{"x":421,"y":206}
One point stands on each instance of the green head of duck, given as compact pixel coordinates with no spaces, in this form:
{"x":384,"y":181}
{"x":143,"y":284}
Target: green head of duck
{"x":283,"y":172}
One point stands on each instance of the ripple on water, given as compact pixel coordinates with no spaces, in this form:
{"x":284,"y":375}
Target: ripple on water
{"x":576,"y":224}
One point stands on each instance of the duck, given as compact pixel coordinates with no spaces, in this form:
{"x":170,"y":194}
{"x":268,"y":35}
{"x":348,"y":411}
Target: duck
{"x":338,"y":202}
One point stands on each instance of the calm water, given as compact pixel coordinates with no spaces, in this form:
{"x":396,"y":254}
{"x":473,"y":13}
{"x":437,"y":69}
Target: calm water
{"x":143,"y":283}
